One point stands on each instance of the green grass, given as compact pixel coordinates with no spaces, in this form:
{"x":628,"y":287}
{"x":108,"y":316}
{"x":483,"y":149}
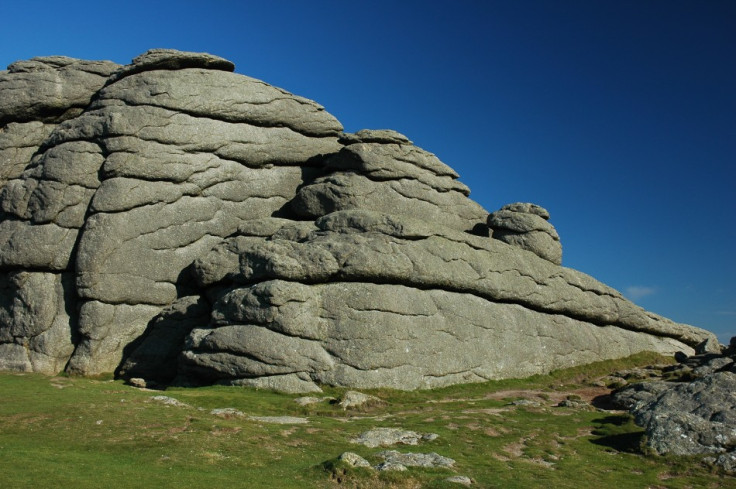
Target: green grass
{"x":92,"y":433}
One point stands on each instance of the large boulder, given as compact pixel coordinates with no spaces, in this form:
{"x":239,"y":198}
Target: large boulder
{"x":171,"y":219}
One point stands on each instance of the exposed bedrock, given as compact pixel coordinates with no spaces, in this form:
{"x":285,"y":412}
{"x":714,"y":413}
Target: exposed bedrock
{"x":171,"y":219}
{"x":384,"y":335}
{"x":372,"y":247}
{"x":168,"y":158}
{"x":191,"y":154}
{"x":371,"y":300}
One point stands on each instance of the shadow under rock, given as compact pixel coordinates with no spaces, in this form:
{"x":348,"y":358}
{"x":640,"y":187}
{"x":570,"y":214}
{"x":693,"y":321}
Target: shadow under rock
{"x":154,"y":355}
{"x":618,"y":432}
{"x":605,"y":402}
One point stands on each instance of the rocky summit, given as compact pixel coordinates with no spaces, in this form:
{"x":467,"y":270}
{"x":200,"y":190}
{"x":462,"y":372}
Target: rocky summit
{"x":173,"y":221}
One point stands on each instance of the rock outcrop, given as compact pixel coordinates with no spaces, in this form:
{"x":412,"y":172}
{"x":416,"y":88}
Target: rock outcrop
{"x":174,"y":221}
{"x":693,"y":412}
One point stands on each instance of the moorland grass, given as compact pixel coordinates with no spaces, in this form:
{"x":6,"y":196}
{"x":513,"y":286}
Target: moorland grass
{"x":92,"y":433}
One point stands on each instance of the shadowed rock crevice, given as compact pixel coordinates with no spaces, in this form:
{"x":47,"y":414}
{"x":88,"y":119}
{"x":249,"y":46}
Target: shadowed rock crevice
{"x":175,"y":221}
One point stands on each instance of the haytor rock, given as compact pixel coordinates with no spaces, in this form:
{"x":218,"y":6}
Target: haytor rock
{"x":174,"y":221}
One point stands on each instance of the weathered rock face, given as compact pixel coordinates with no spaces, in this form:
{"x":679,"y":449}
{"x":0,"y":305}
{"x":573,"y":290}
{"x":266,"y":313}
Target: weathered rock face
{"x":170,"y":157}
{"x":34,"y":307}
{"x":694,"y":413}
{"x":382,"y":171}
{"x":170,"y":219}
{"x":364,"y":299}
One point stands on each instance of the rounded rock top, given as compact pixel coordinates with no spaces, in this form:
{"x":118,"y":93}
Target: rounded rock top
{"x":527,"y":208}
{"x":171,"y":59}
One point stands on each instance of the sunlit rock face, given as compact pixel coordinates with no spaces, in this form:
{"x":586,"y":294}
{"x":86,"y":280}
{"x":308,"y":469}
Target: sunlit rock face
{"x":525,"y":225}
{"x":173,"y":220}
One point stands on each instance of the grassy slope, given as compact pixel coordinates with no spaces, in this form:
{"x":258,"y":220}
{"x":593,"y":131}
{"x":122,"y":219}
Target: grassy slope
{"x":73,"y":432}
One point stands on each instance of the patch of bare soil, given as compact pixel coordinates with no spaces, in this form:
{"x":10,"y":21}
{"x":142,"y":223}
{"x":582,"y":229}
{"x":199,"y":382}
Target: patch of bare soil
{"x":516,"y":449}
{"x":496,"y":431}
{"x":60,"y":382}
{"x":535,"y":395}
{"x":587,"y":393}
{"x":490,"y":411}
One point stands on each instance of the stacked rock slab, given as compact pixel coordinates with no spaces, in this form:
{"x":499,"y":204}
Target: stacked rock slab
{"x":382,"y":171}
{"x":525,"y":225}
{"x":171,"y":219}
{"x":365,"y":299}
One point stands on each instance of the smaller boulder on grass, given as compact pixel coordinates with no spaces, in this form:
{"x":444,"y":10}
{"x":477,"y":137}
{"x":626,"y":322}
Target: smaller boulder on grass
{"x":460,"y":479}
{"x":687,"y":418}
{"x":138,"y":383}
{"x":227,"y":413}
{"x":525,"y":403}
{"x":358,"y":400}
{"x":354,"y":460}
{"x":410,"y":459}
{"x":309,"y":400}
{"x":169,"y":401}
{"x":574,"y":402}
{"x":390,"y":466}
{"x":279,"y":419}
{"x":384,"y":437}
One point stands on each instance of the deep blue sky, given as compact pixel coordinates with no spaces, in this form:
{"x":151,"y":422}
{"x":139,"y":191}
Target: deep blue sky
{"x":617,"y":116}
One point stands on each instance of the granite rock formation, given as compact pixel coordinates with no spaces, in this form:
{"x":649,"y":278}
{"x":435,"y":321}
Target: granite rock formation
{"x":175,"y":221}
{"x":693,"y":411}
{"x":525,"y":225}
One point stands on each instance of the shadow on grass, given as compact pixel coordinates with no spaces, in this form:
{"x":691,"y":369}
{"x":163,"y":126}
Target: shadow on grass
{"x":619,"y":433}
{"x":605,"y":402}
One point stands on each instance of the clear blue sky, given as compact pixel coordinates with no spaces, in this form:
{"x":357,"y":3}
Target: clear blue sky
{"x":617,"y":116}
